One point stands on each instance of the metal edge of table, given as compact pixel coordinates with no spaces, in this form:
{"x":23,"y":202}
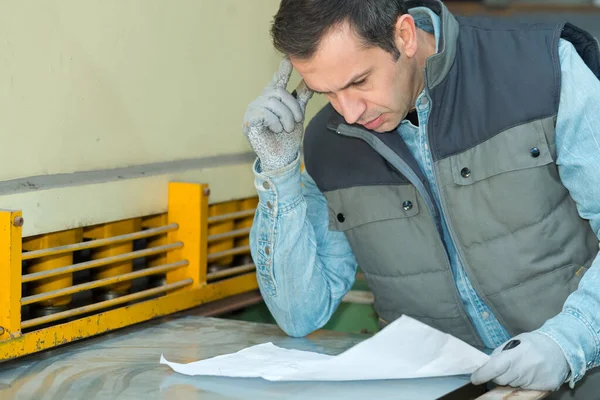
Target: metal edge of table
{"x":233,"y":303}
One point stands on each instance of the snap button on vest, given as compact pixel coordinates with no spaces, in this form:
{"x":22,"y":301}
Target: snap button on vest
{"x":341,"y":217}
{"x":535,"y":152}
{"x":407,"y":205}
{"x":465,"y":172}
{"x":266,"y":185}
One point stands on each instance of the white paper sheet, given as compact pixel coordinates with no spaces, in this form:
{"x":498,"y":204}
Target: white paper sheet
{"x":404,"y":349}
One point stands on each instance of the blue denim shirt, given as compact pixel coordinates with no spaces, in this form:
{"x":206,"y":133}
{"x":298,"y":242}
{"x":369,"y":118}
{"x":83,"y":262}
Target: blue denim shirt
{"x":304,"y":287}
{"x":489,"y":329}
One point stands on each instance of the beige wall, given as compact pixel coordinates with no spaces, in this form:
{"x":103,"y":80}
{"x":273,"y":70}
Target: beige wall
{"x":94,"y":85}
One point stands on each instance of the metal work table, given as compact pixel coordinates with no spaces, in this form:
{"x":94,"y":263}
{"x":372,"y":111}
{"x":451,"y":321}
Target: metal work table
{"x":125,"y":365}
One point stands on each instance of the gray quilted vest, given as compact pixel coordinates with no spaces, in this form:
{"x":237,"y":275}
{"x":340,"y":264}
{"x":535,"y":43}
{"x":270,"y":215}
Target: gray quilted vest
{"x":491,"y":133}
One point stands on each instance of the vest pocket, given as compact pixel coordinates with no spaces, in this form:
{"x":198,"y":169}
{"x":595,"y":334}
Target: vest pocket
{"x":352,"y":207}
{"x":390,"y":232}
{"x":521,"y":147}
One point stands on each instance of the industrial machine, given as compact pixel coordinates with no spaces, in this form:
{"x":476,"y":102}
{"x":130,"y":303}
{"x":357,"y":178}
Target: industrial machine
{"x":63,"y":286}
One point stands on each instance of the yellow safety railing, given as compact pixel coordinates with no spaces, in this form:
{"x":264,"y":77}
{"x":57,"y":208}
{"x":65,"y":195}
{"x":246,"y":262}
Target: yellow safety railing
{"x":195,"y":253}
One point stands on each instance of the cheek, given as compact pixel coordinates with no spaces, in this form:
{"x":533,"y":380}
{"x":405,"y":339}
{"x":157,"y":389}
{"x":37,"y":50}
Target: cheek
{"x":382,"y":100}
{"x":403,"y":93}
{"x":391,"y":99}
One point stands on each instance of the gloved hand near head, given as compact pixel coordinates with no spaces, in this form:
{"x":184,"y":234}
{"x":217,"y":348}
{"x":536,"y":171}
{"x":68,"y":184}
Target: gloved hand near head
{"x":274,"y":122}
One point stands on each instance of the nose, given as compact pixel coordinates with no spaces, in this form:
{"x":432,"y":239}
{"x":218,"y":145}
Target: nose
{"x":351,"y":107}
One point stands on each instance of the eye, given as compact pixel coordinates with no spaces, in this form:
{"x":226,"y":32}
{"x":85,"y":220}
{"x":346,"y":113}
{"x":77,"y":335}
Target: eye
{"x":361,"y":82}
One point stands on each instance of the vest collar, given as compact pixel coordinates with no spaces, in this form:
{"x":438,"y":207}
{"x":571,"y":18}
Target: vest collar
{"x":438,"y":65}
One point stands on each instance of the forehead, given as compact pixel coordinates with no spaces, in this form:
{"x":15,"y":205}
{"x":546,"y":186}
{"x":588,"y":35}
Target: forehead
{"x":340,"y":55}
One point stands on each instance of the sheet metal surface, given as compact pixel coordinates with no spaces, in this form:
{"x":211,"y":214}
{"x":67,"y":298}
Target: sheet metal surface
{"x":125,"y":365}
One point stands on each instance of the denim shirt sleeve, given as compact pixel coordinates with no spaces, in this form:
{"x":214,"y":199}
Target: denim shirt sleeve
{"x":577,"y":328}
{"x":303,"y":269}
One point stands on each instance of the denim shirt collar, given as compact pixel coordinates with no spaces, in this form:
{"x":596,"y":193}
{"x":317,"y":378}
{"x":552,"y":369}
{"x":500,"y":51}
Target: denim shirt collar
{"x":428,"y":21}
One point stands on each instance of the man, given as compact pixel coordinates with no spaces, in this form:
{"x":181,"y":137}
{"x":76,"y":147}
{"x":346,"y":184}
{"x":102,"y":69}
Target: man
{"x":458,"y":163}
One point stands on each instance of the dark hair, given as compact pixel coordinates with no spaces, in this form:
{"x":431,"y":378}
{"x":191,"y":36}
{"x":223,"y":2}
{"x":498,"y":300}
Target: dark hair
{"x":299,"y":25}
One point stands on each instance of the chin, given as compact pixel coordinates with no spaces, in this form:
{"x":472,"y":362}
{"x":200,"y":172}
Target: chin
{"x":387,"y":126}
{"x":381,"y":129}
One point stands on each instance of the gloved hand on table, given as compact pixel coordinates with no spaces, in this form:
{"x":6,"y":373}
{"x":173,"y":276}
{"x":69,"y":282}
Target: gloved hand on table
{"x":536,"y":363}
{"x":274,"y":122}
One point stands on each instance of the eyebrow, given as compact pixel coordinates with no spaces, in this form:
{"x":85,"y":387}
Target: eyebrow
{"x":354,"y":79}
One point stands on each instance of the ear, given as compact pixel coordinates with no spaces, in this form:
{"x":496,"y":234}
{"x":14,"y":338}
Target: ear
{"x":406,"y":35}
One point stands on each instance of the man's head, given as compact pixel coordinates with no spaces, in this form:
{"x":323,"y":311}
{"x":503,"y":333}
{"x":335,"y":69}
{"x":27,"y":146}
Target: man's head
{"x":366,"y":56}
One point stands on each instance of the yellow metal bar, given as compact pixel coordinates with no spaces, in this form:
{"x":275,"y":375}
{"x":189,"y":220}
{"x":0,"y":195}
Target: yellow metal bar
{"x":235,"y":251}
{"x":229,"y":235}
{"x":188,"y":207}
{"x":111,"y":229}
{"x":100,"y":263}
{"x":219,"y":228}
{"x":232,"y":216}
{"x":102,"y":282}
{"x":10,"y":274}
{"x":109,"y":320}
{"x":230,"y":272}
{"x":99,"y":243}
{"x":51,"y":262}
{"x":104,"y":304}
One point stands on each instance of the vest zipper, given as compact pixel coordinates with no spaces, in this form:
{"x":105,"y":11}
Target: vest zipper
{"x":401,"y":165}
{"x":444,"y":211}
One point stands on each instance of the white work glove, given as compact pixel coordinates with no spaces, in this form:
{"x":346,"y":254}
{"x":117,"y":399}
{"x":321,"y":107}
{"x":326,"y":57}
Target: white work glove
{"x":536,"y":363}
{"x":274,"y":122}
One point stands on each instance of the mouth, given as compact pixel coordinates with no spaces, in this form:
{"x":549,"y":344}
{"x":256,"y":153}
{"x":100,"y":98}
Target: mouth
{"x":374,"y":124}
